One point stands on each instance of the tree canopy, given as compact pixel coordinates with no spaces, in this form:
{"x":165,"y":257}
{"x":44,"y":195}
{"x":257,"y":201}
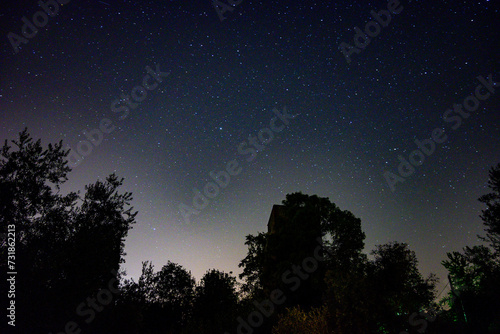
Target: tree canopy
{"x":67,"y":246}
{"x":308,"y":273}
{"x":474,"y":273}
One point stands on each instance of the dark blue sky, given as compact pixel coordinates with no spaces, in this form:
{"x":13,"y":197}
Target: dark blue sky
{"x":177,"y":92}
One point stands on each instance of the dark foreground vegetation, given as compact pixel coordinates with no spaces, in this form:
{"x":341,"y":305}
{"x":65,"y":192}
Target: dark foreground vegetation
{"x":307,"y":274}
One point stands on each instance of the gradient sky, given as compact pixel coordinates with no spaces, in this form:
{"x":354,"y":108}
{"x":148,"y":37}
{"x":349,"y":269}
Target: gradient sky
{"x":352,"y":120}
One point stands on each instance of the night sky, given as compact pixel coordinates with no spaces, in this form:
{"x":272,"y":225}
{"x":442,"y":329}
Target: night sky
{"x":271,"y":96}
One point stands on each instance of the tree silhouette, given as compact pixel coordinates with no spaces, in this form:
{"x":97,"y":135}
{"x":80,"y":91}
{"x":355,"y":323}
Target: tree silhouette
{"x":162,"y":301}
{"x":69,"y":248}
{"x":491,"y":215}
{"x":174,"y":293}
{"x":216,"y":305}
{"x":401,"y":289}
{"x":475,"y":272}
{"x":297,"y":321}
{"x":351,"y":298}
{"x":253,"y":265}
{"x":65,"y":253}
{"x":276,"y":259}
{"x":475,"y":276}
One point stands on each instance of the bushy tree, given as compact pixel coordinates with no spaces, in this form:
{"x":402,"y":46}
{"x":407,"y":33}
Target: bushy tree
{"x":378,"y":295}
{"x":162,"y":300}
{"x":174,"y":287}
{"x":65,"y":252}
{"x":253,"y":265}
{"x":298,"y":321}
{"x":475,"y":297}
{"x":216,"y":304}
{"x":303,"y":224}
{"x":475,"y":272}
{"x":351,"y":298}
{"x":401,"y":288}
{"x":491,"y":215}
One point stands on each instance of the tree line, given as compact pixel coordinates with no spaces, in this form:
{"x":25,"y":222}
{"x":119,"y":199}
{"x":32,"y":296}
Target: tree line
{"x":308,"y":273}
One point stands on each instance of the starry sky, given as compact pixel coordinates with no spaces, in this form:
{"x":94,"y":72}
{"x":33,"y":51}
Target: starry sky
{"x":276,"y":94}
